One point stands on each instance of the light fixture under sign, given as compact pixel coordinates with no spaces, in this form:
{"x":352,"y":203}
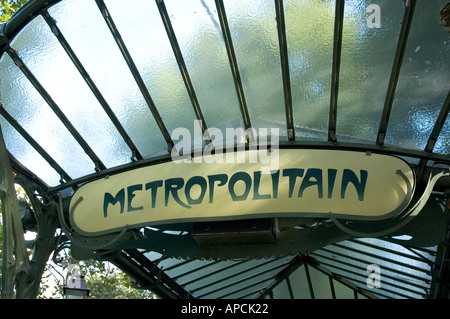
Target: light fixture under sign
{"x":249,"y":231}
{"x":76,"y":288}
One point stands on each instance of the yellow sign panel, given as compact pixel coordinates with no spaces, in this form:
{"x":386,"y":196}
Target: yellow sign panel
{"x":307,"y":183}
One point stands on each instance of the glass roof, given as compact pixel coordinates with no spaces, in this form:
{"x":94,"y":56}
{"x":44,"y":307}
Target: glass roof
{"x":88,"y":89}
{"x":406,"y":273}
{"x":201,"y":83}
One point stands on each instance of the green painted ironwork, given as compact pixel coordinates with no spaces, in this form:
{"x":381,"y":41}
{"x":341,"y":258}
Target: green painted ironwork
{"x":299,"y":239}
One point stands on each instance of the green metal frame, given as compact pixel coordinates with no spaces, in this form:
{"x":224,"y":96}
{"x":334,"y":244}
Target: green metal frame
{"x":21,"y":274}
{"x":125,"y":249}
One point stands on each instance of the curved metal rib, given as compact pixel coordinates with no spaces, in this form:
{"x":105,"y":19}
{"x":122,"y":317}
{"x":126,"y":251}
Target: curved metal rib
{"x":407,"y":216}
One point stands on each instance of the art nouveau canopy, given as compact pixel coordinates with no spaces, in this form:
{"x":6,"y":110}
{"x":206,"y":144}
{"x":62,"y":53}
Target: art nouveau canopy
{"x":237,"y":149}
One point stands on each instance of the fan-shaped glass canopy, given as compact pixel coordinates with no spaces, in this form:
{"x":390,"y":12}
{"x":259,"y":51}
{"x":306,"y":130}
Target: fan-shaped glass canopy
{"x":92,"y":90}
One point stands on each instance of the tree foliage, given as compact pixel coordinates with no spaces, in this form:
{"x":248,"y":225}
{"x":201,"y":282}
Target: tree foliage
{"x":104,"y":280}
{"x":9,"y":7}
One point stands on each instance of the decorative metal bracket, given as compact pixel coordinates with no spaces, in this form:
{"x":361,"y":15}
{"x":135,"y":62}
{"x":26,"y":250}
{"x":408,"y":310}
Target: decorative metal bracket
{"x":404,"y":217}
{"x":84,"y":242}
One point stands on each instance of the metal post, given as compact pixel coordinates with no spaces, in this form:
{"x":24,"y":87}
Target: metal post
{"x":308,"y":277}
{"x":183,"y":69}
{"x":233,"y":64}
{"x":395,"y":73}
{"x":135,"y":72}
{"x":16,"y":268}
{"x":337,"y":48}
{"x":136,"y":155}
{"x":282,"y":39}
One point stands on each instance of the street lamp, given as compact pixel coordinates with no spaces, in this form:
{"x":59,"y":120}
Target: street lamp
{"x":76,"y":288}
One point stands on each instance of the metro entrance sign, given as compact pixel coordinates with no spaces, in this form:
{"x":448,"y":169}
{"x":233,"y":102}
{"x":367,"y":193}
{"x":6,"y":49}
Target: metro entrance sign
{"x":304,"y":183}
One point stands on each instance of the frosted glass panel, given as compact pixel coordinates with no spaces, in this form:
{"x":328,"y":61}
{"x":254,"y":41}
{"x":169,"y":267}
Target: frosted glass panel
{"x":367,"y":56}
{"x":25,"y":154}
{"x":199,"y":35}
{"x":146,"y":39}
{"x":350,"y":259}
{"x":443,"y":142}
{"x":27,"y":107}
{"x":309,"y":31}
{"x":56,"y":72}
{"x":254,"y":31}
{"x":424,"y":80}
{"x":85,"y":29}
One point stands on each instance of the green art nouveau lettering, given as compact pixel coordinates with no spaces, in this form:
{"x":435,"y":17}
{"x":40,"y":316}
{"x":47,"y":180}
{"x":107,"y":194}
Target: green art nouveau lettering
{"x":172,"y":186}
{"x":236,"y":177}
{"x":130,"y":195}
{"x":257,"y":182}
{"x":293,"y":173}
{"x":196,"y":180}
{"x":275,"y":175}
{"x":360,"y":185}
{"x":313,"y":177}
{"x":237,"y":187}
{"x":153,"y":186}
{"x":113,"y":200}
{"x":221,"y":178}
{"x":331,"y":180}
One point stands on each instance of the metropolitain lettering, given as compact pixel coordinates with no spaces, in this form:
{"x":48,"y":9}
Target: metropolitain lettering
{"x":239,"y":186}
